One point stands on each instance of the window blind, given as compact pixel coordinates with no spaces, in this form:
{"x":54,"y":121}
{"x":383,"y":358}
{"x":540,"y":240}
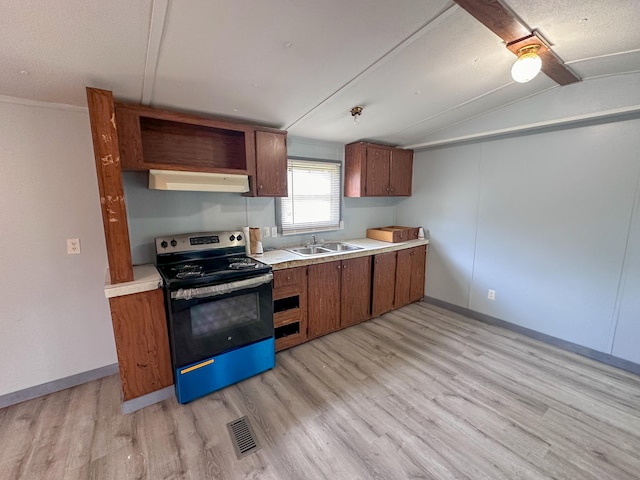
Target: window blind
{"x":314,"y":199}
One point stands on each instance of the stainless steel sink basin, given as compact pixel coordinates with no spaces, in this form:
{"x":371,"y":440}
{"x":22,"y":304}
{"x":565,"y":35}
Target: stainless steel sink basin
{"x":341,"y":247}
{"x":312,"y":250}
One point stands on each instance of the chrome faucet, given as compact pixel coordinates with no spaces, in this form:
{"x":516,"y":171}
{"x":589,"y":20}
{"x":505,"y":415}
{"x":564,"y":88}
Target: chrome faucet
{"x":313,"y":239}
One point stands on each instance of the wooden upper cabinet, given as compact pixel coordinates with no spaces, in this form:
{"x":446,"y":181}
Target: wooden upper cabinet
{"x":377,"y":170}
{"x":400,"y":172}
{"x":164,"y":140}
{"x":271,"y":164}
{"x":160,"y":139}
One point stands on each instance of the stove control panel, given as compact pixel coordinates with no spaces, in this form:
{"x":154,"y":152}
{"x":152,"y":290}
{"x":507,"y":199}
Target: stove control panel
{"x":194,"y":242}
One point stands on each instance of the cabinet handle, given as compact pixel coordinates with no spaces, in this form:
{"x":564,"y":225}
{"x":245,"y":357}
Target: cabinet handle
{"x":260,"y":187}
{"x":338,"y":267}
{"x":288,"y":278}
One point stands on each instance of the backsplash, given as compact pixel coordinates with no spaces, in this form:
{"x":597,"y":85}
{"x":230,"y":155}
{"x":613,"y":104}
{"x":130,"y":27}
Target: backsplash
{"x":152,"y":213}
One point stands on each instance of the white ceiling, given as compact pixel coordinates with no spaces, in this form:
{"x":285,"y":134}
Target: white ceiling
{"x":416,"y":66}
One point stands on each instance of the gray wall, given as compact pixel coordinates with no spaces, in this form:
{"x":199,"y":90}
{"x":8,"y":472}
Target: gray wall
{"x":54,"y":317}
{"x":153,"y":213}
{"x":543,"y":219}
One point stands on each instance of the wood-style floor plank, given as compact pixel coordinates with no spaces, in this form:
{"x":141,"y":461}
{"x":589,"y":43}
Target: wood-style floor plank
{"x":419,"y":393}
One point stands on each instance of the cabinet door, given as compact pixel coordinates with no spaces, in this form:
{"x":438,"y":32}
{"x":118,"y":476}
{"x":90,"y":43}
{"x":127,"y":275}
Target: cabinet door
{"x":384,"y":281}
{"x":403,"y":278}
{"x":356,"y":291}
{"x":271,"y":164}
{"x":323,"y":298}
{"x":400,"y":172}
{"x":142,"y":342}
{"x":418,"y":272}
{"x":377,"y":177}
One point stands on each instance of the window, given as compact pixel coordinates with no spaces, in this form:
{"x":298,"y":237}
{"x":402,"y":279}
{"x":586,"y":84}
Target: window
{"x":314,"y":200}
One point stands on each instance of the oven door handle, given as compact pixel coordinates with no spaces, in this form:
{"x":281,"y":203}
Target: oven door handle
{"x":222,"y":289}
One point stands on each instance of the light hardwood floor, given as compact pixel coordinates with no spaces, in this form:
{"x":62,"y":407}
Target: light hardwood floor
{"x":417,"y":393}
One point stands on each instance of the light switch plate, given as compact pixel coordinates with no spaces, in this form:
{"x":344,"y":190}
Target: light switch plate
{"x":274,"y":232}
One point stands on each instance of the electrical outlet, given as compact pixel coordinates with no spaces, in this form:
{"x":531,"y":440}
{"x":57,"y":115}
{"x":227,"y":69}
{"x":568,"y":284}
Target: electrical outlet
{"x":266,"y":231}
{"x":73,"y":246}
{"x":491,"y":295}
{"x":274,"y":232}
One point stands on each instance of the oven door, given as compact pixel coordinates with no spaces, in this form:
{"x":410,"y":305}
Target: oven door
{"x":206,"y":321}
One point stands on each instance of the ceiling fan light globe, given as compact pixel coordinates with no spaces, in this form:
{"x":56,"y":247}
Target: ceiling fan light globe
{"x":526,"y":67}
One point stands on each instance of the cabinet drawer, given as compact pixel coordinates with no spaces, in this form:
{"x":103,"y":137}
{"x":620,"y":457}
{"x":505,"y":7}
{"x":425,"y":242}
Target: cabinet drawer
{"x":288,"y":276}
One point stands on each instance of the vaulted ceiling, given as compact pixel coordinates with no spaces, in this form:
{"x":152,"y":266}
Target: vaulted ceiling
{"x":416,"y":66}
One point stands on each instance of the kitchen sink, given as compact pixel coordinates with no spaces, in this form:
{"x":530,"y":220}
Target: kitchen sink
{"x":311,"y":250}
{"x":329,"y":247}
{"x":341,"y":247}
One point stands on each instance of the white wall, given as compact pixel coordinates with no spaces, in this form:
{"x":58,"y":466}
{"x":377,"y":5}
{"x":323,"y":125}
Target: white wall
{"x":54,"y":318}
{"x":542,"y":219}
{"x":153,"y":213}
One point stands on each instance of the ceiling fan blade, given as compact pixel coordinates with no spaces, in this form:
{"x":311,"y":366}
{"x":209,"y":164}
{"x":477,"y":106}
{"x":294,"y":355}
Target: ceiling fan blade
{"x":493,"y":15}
{"x":497,"y":18}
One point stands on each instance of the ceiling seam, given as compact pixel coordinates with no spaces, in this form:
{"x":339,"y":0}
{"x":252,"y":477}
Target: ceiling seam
{"x":606,"y":55}
{"x":564,"y":122}
{"x":156,"y":31}
{"x":468,"y":102}
{"x":431,"y":23}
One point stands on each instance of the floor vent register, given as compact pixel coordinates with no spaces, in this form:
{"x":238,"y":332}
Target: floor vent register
{"x":242,"y":437}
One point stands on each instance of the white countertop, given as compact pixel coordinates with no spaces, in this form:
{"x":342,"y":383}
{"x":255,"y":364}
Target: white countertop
{"x":145,"y":278}
{"x":279,"y":259}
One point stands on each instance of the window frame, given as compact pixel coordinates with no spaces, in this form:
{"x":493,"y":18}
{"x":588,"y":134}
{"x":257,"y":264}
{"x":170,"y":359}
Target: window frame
{"x":302,"y":231}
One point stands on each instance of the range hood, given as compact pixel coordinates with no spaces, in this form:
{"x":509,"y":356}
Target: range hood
{"x":197,"y":181}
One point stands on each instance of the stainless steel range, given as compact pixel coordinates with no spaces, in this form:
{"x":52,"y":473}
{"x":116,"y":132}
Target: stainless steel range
{"x":219,"y":309}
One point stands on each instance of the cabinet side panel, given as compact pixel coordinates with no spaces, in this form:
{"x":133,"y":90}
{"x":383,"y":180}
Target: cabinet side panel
{"x":354,"y":170}
{"x":142,"y":342}
{"x":108,"y":169}
{"x":130,"y":139}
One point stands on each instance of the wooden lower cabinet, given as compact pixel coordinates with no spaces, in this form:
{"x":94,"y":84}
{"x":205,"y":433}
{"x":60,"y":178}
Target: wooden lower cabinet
{"x":339,"y":294}
{"x":142,"y":342}
{"x":355,"y":291}
{"x":290,"y":306}
{"x":324,"y":297}
{"x":410,"y":275}
{"x":384,"y":283}
{"x":418,"y":273}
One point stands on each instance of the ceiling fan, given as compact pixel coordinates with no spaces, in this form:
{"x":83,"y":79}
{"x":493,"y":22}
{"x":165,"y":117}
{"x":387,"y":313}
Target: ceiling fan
{"x":518,"y":39}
